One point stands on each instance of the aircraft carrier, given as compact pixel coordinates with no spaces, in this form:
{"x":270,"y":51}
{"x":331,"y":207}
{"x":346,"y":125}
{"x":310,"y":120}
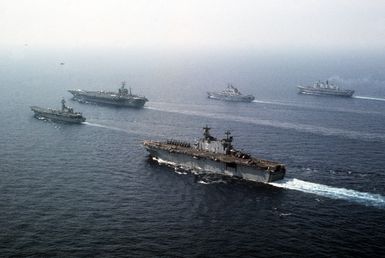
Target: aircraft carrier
{"x":122,"y":98}
{"x":212,"y":156}
{"x":66,"y":114}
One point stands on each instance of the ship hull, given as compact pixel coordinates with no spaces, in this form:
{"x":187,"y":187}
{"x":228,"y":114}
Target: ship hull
{"x":105,"y":99}
{"x":216,"y":96}
{"x":311,"y":91}
{"x":56,"y":117}
{"x":211,"y":166}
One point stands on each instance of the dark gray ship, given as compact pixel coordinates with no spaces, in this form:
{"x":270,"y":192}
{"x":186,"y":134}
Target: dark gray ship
{"x":122,"y":98}
{"x":212,"y":156}
{"x":66,"y":114}
{"x":231,"y":93}
{"x":325,"y":89}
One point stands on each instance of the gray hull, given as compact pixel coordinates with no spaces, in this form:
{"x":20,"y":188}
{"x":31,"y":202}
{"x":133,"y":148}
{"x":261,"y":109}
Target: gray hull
{"x":108,"y":99}
{"x":325,"y":92}
{"x":57,"y":116}
{"x":209,"y":166}
{"x":218,"y":96}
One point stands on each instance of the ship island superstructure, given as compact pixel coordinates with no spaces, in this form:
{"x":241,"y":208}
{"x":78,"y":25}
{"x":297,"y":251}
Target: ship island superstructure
{"x":325,"y":88}
{"x":231,"y":93}
{"x":212,"y":156}
{"x":122,"y":98}
{"x":65,"y":114}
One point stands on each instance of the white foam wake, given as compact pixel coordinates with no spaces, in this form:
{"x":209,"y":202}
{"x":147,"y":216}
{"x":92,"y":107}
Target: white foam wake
{"x":107,"y":127}
{"x":369,"y":199}
{"x":268,"y":102}
{"x":368,"y":98}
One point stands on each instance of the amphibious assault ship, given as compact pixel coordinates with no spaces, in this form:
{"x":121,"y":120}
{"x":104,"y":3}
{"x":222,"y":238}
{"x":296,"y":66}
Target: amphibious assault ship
{"x":122,"y":98}
{"x":66,"y":114}
{"x":325,"y":88}
{"x":212,"y":156}
{"x":230,"y":94}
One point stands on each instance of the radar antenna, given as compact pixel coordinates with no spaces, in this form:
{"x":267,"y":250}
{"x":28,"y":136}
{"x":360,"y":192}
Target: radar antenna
{"x":206,"y":131}
{"x":63,"y":104}
{"x":123,"y":90}
{"x":228,"y":133}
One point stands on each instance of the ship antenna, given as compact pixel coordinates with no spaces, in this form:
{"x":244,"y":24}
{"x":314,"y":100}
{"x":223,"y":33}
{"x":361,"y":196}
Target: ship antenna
{"x":206,"y":132}
{"x":63,"y":104}
{"x":227,"y":134}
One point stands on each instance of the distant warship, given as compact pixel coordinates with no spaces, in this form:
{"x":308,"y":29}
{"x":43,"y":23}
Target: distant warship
{"x":325,"y":88}
{"x":213,"y":156}
{"x":122,"y":98}
{"x":230,"y":94}
{"x":66,"y":114}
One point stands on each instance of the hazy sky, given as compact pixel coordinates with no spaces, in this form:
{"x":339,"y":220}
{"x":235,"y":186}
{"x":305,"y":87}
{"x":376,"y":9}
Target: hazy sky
{"x":194,"y":24}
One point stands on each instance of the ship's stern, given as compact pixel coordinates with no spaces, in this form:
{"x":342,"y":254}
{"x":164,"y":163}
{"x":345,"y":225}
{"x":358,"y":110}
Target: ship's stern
{"x":278,"y":173}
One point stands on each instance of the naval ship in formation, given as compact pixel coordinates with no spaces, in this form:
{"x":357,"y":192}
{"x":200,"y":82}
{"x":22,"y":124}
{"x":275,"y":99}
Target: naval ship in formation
{"x":230,"y":94}
{"x":66,"y":114}
{"x":213,"y":156}
{"x":122,"y":98}
{"x":325,"y":88}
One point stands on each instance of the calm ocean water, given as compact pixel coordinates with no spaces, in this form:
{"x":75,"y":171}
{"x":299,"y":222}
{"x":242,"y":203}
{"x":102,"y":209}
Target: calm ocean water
{"x":87,"y":190}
